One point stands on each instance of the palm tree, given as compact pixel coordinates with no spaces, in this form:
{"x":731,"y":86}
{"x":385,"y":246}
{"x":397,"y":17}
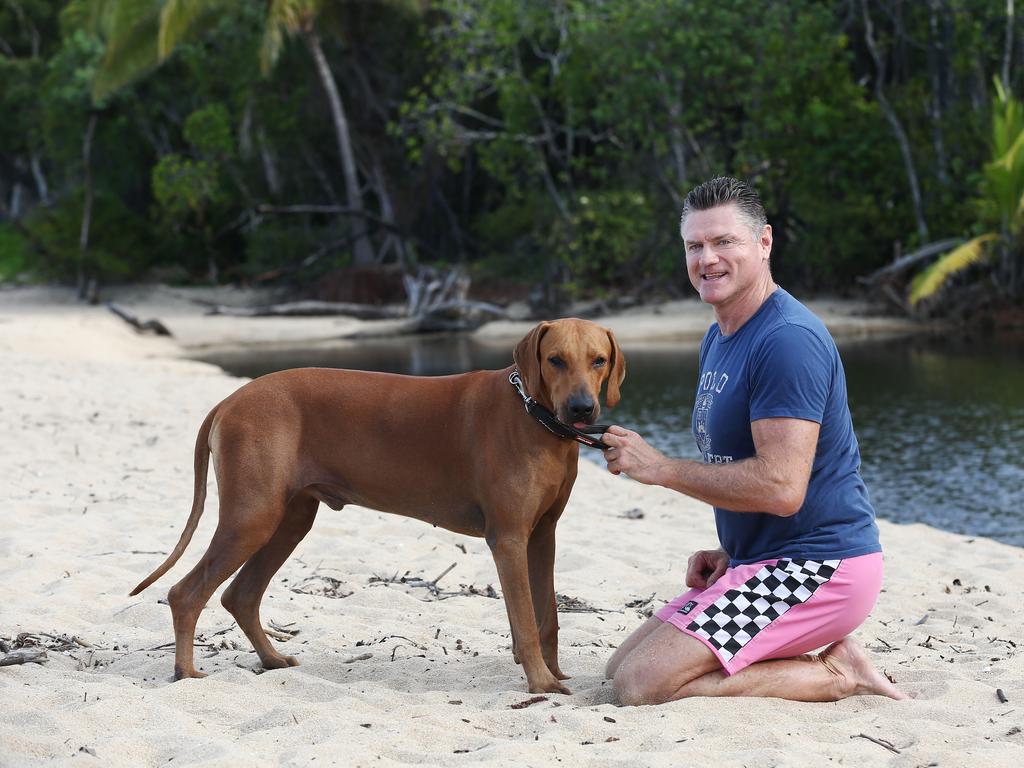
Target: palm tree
{"x":1000,"y":207}
{"x":140,"y":35}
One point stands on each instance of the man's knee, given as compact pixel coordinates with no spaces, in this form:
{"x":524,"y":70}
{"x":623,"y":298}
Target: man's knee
{"x":636,"y":685}
{"x":631,"y":687}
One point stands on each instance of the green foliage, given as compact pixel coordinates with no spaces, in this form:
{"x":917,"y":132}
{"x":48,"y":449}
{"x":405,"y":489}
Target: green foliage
{"x":184,"y":187}
{"x":120,"y":242}
{"x":542,"y":140}
{"x":128,"y":30}
{"x":15,"y":254}
{"x":208,"y":130}
{"x":180,"y":19}
{"x":270,"y":246}
{"x":1002,"y":187}
{"x":189,"y":189}
{"x":611,"y":229}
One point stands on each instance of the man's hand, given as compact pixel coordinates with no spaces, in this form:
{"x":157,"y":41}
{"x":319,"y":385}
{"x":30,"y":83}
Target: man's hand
{"x":631,"y":454}
{"x":705,"y":568}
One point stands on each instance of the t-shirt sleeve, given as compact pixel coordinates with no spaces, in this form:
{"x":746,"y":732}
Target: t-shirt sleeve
{"x":791,"y":375}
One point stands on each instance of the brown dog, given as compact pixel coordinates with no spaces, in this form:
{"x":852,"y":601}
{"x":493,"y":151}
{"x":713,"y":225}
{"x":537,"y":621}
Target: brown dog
{"x":457,"y":451}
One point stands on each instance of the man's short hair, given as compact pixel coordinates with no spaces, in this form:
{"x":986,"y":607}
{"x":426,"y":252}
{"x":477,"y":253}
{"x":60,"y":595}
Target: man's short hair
{"x":725,"y":190}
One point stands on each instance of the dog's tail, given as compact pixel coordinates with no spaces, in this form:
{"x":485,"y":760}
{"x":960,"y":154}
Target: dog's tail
{"x":202,"y":465}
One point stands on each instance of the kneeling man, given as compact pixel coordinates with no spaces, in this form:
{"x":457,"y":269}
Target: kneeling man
{"x":800,"y":564}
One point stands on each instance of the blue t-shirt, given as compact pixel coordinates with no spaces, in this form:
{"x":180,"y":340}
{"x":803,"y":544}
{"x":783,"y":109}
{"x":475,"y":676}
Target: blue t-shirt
{"x":783,"y":363}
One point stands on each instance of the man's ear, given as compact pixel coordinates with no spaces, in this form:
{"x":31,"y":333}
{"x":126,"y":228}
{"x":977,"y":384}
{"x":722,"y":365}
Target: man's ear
{"x":616,"y":372}
{"x":527,"y":359}
{"x":766,"y":239}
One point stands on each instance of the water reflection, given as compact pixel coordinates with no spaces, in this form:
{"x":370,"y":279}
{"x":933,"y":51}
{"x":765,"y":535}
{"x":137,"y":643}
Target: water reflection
{"x":940,"y":421}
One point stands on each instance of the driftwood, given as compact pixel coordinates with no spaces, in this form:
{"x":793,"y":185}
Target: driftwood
{"x":31,"y":655}
{"x":447,"y":316}
{"x":149,"y":326}
{"x":435,"y":302}
{"x":902,"y":264}
{"x":880,"y":742}
{"x":464,"y":315}
{"x":312,"y":309}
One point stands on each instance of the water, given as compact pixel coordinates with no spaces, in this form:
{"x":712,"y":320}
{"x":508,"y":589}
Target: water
{"x":940,"y":421}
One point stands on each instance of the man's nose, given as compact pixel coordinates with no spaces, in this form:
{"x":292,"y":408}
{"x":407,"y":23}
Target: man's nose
{"x":708,"y":254}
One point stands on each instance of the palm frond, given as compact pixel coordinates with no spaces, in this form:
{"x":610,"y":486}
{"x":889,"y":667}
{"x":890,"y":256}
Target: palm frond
{"x":129,"y":30}
{"x":179,"y":21}
{"x":1003,"y":185}
{"x":928,"y":282}
{"x":284,"y":16}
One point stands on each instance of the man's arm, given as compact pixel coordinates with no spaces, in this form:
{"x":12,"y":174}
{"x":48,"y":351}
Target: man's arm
{"x":774,"y":480}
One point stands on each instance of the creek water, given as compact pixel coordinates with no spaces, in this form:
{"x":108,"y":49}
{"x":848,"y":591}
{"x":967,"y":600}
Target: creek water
{"x":940,"y":421}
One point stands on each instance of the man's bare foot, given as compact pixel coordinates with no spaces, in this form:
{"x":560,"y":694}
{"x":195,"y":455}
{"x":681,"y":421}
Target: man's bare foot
{"x":847,"y":659}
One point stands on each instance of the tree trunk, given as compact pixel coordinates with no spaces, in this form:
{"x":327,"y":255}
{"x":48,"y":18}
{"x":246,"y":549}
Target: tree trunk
{"x":937,"y":62}
{"x":269,"y":166}
{"x":83,"y":234}
{"x":15,"y":206}
{"x":1008,"y":46}
{"x":42,"y":188}
{"x":894,"y":121}
{"x":362,"y":249}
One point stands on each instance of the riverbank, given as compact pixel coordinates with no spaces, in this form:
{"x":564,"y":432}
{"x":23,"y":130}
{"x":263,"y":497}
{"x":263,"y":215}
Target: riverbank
{"x":97,"y":426}
{"x":183,"y":311}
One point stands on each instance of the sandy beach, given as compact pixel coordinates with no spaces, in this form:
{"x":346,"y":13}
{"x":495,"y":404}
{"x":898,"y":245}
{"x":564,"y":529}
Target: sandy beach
{"x":97,"y":427}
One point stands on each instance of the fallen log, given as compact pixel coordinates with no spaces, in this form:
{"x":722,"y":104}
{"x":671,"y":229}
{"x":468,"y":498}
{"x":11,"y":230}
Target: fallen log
{"x":148,"y":326}
{"x":904,"y":263}
{"x":462,"y":315}
{"x":32,"y":655}
{"x":312,"y":309}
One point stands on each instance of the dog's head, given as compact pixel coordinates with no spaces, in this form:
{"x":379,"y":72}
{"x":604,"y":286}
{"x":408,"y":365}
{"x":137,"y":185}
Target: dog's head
{"x":564,"y":363}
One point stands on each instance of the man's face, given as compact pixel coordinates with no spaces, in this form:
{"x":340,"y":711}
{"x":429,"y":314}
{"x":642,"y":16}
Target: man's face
{"x":724,"y":259}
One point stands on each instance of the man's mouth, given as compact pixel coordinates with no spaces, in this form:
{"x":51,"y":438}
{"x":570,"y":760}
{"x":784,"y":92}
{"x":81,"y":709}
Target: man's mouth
{"x":711,"y":276}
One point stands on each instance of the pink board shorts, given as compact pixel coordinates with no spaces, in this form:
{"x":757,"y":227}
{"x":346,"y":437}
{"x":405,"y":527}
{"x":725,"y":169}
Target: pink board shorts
{"x":777,"y":609}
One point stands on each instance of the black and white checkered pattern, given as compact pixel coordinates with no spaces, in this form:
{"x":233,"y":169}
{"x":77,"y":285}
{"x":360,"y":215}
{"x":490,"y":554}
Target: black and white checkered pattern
{"x":737,"y":616}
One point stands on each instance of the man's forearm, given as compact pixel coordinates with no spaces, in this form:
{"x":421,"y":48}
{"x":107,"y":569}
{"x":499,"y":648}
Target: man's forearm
{"x":747,"y":485}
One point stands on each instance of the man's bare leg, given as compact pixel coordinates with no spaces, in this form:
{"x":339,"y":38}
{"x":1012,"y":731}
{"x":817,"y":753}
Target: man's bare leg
{"x":670,"y":665}
{"x":631,"y":642}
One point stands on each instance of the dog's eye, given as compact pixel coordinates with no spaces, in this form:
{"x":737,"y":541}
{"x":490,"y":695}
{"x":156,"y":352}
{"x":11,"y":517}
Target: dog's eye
{"x":556,"y":361}
{"x":599,"y":362}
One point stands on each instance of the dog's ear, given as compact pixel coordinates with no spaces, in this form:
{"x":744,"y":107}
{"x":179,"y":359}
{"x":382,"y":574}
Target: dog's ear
{"x":527,"y":358}
{"x":616,"y":372}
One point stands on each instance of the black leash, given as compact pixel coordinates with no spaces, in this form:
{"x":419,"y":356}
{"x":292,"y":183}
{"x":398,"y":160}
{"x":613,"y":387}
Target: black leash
{"x":551,"y":422}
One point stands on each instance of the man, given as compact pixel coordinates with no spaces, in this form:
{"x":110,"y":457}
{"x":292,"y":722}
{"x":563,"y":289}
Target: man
{"x":800,"y":565}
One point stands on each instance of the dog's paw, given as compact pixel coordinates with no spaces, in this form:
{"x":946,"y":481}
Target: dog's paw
{"x":549,"y":685}
{"x":280,"y":662}
{"x":184,"y":673}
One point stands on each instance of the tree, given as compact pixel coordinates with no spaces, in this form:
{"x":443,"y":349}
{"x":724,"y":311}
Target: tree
{"x":1000,"y":206}
{"x":144,"y":34}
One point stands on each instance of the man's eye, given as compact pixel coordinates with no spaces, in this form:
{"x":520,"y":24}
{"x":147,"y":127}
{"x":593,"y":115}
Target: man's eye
{"x":556,"y":361}
{"x":693,"y":247}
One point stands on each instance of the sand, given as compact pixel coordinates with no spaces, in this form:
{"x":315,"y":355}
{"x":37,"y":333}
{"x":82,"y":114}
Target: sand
{"x":97,"y":427}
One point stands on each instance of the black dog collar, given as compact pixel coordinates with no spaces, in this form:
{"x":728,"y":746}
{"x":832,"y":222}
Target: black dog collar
{"x":551,"y":422}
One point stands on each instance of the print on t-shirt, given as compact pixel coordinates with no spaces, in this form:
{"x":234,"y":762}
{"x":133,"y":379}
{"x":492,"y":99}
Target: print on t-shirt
{"x":710,"y":382}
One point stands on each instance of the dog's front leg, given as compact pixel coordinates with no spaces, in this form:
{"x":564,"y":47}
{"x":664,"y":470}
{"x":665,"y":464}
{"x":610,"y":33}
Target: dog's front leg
{"x":510,"y":558}
{"x":541,"y":552}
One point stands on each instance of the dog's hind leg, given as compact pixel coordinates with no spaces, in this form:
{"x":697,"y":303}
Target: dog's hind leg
{"x":229,"y":548}
{"x":244,"y":595}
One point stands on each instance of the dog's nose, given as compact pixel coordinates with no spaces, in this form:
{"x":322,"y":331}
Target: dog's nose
{"x":581,"y":409}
